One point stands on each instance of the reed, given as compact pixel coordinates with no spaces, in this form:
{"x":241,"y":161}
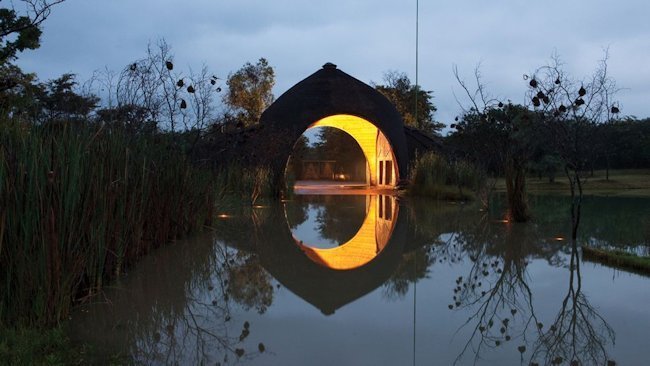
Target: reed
{"x":434,"y":176}
{"x":79,"y":205}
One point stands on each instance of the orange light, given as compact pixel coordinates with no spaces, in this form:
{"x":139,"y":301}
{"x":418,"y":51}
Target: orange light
{"x":366,"y":244}
{"x":223,"y":216}
{"x":559,"y":238}
{"x":260,"y":206}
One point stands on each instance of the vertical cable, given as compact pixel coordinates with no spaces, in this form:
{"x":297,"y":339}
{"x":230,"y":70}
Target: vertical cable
{"x":417,"y":89}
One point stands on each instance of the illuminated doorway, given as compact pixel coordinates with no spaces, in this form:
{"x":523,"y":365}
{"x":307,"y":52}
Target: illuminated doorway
{"x":379,"y":156}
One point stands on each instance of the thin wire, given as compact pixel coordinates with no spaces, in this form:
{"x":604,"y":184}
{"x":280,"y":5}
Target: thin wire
{"x":417,"y":86}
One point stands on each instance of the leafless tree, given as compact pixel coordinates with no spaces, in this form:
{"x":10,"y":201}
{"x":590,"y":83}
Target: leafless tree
{"x":494,"y":132}
{"x":173,"y":100}
{"x":570,"y":108}
{"x":579,"y":335}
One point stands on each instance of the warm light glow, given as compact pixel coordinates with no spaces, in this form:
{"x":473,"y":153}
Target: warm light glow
{"x":367,"y":136}
{"x":559,"y":238}
{"x":260,"y":206}
{"x":372,"y":237}
{"x":223,"y":216}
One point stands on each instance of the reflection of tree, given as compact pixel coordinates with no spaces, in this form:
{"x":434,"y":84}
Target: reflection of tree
{"x":248,"y":284}
{"x":413,"y":266}
{"x":177,"y":307}
{"x":341,"y":217}
{"x":297,"y":213}
{"x":495,"y":289}
{"x":338,"y":218}
{"x":500,"y":301}
{"x":579,"y":334}
{"x":200,"y":331}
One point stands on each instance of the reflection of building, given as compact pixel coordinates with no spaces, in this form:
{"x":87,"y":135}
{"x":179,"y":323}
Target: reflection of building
{"x":365,"y":245}
{"x":331,"y":278}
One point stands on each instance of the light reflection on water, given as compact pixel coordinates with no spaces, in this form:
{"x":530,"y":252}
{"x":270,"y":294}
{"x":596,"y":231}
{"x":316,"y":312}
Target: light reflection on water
{"x":449,"y":284}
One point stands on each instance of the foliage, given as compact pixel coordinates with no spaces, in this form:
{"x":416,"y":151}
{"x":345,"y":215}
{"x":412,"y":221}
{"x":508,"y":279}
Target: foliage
{"x":435,"y":176}
{"x":60,"y":102}
{"x":66,"y":187}
{"x":399,"y":90}
{"x":31,"y":346}
{"x":571,"y":109}
{"x":335,"y":144}
{"x":617,"y":258}
{"x":498,"y":137}
{"x":20,"y":31}
{"x":250,"y":91}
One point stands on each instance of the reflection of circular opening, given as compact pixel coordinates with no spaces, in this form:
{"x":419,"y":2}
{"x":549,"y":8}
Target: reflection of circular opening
{"x":328,"y":155}
{"x":369,"y":240}
{"x":325,"y":221}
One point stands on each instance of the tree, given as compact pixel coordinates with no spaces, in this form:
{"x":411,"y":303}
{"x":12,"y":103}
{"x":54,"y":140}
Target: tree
{"x":499,"y":138}
{"x":335,"y":144}
{"x":18,"y":92}
{"x":152,"y":93}
{"x":571,"y":109}
{"x":59,"y":101}
{"x":19,"y":32}
{"x":399,"y":90}
{"x":250,"y":91}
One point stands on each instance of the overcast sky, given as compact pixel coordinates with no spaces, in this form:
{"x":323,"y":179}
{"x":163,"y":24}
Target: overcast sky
{"x":365,"y":38}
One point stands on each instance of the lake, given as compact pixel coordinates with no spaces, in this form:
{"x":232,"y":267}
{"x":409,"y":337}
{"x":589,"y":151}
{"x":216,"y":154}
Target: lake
{"x":376,"y":280}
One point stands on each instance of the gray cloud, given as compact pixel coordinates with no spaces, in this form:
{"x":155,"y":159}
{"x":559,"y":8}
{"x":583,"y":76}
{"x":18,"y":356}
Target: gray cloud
{"x":365,"y":38}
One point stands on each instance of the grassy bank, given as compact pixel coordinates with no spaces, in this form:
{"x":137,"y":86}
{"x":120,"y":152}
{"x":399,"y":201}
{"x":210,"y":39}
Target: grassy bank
{"x":80,"y":205}
{"x":618,"y":258}
{"x":434,"y":176}
{"x":633,"y":182}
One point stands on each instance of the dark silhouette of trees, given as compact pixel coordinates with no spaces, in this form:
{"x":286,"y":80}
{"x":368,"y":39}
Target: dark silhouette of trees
{"x":170,"y":98}
{"x":399,"y":90}
{"x":20,"y":30}
{"x":572,"y":110}
{"x":250,"y":91}
{"x":500,"y":139}
{"x":60,"y":101}
{"x":335,"y":144}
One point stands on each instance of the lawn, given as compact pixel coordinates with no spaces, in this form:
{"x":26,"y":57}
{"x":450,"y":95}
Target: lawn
{"x":633,"y":182}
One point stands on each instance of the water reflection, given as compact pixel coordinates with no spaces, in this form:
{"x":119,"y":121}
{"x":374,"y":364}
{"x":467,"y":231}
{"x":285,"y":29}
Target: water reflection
{"x":371,"y":237}
{"x":330,"y":278}
{"x":176,"y":308}
{"x":497,"y":295}
{"x":488,"y":291}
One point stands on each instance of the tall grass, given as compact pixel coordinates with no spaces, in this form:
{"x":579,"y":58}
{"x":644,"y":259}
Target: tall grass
{"x":243,"y":184}
{"x":434,"y":176}
{"x":78,"y":205}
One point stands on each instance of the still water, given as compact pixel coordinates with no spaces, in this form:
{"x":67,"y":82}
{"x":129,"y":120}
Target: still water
{"x":373,"y":280}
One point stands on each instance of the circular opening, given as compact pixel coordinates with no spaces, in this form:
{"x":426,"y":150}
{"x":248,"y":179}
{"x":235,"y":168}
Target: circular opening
{"x":326,"y":156}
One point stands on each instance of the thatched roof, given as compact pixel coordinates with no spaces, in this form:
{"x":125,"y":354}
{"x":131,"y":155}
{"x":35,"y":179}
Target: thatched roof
{"x":330,"y":91}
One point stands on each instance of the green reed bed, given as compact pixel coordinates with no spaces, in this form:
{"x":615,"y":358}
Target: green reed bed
{"x":434,"y":176}
{"x":81,"y":204}
{"x":618,"y":258}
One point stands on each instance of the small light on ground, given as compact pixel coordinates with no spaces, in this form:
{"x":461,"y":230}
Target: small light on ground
{"x":223,"y":216}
